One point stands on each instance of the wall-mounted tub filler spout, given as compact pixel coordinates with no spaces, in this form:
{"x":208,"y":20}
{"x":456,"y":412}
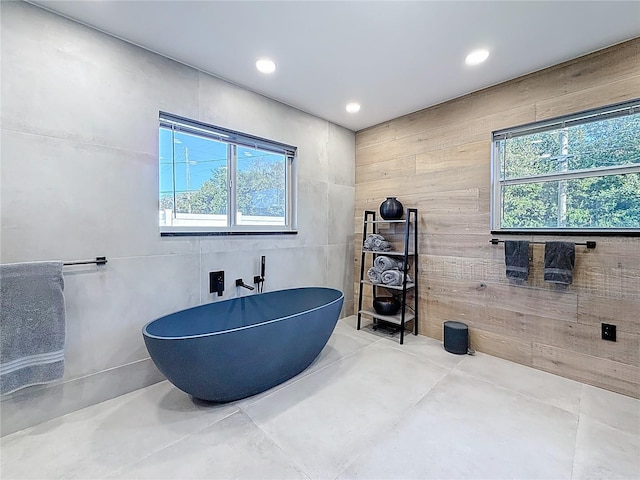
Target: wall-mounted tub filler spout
{"x":240,"y":283}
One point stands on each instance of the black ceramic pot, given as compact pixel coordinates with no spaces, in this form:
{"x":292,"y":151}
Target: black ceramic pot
{"x":386,"y":305}
{"x":391,"y":209}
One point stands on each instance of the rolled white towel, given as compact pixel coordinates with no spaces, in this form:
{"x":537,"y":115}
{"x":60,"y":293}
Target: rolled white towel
{"x":383,"y":263}
{"x":376,"y":243}
{"x":374,"y":276}
{"x":369,"y":241}
{"x":393,"y":277}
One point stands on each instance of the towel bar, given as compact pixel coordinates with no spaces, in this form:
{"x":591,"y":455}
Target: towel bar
{"x":97,"y":261}
{"x":588,"y":244}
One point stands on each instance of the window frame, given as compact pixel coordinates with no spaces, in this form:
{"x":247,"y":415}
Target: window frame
{"x":234,"y":139}
{"x":588,"y":116}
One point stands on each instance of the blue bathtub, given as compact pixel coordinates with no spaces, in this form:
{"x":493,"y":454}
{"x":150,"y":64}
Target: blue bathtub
{"x":236,"y":348}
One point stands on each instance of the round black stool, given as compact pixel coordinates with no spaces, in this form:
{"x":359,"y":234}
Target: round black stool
{"x":456,"y":337}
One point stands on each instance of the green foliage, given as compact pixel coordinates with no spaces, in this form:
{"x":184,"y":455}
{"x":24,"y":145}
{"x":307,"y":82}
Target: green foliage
{"x":260,"y":188}
{"x":211,"y":198}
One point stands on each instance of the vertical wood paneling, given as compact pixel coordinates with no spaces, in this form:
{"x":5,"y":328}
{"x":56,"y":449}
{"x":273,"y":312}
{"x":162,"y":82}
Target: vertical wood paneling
{"x":439,"y":161}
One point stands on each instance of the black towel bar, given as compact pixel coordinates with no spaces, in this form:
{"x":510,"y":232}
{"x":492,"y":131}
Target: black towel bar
{"x":588,"y":244}
{"x":97,"y":261}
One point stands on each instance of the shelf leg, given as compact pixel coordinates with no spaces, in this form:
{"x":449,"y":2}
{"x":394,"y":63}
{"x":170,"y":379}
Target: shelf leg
{"x":364,"y":236}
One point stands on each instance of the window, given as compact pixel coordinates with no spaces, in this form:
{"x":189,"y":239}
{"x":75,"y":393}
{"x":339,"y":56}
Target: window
{"x":217,"y":181}
{"x":579,"y":173}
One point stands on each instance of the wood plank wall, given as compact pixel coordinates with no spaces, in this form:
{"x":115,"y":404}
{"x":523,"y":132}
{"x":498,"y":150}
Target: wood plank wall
{"x":438,"y":160}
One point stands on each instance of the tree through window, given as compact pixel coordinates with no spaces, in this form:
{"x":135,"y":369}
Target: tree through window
{"x":576,"y":173}
{"x":213,"y":179}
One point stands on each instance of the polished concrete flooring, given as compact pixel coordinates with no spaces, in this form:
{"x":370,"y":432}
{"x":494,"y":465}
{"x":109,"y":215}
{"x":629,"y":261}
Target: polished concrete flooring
{"x":367,"y":408}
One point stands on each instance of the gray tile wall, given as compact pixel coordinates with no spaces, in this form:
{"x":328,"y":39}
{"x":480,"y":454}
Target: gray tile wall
{"x":79,"y":179}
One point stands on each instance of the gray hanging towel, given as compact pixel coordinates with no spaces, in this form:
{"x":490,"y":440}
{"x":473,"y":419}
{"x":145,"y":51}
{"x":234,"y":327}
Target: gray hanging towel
{"x":516,"y":259}
{"x":559,"y":259}
{"x":32,"y":324}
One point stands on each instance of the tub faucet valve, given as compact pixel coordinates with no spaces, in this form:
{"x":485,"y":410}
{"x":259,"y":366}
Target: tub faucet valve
{"x":216,"y":282}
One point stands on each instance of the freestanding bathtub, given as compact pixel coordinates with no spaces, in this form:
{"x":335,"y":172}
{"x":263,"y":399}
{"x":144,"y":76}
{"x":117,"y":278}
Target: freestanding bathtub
{"x":235,"y":348}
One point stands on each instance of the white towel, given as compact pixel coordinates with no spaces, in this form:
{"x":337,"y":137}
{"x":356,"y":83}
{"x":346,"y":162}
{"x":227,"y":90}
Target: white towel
{"x":383,"y":263}
{"x":374,"y":276}
{"x":376,"y":243}
{"x":32,"y":324}
{"x":393,"y":278}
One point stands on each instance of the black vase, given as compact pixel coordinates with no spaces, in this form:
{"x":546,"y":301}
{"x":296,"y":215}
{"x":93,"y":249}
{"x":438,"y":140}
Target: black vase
{"x":391,"y":209}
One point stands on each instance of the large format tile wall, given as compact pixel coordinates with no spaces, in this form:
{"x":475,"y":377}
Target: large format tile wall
{"x":439,"y":160}
{"x":80,"y":179}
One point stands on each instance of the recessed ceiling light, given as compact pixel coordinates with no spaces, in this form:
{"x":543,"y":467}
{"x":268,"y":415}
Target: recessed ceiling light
{"x":265,"y":65}
{"x":477,"y":56}
{"x":353,"y":107}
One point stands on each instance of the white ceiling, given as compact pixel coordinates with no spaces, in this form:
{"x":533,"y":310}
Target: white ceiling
{"x":393,"y":57}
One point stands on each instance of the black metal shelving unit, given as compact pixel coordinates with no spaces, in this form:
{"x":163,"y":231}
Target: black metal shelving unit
{"x":409,"y":253}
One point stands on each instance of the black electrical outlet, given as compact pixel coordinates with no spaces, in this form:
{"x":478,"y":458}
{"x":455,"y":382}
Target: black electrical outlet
{"x":609,"y":332}
{"x":216,"y":282}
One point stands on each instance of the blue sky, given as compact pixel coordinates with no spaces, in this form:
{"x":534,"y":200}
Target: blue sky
{"x":203,"y":156}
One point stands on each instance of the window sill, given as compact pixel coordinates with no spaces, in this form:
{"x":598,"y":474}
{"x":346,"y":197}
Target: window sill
{"x":226,"y":234}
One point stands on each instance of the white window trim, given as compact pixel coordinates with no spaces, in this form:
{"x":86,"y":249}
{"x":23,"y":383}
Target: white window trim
{"x":611,"y":111}
{"x":233,"y":139}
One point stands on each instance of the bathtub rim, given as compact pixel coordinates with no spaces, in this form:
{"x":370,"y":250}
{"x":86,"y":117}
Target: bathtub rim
{"x":245,"y":327}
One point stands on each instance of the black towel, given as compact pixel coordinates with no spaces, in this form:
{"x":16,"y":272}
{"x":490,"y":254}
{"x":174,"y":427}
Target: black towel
{"x":559,"y":259}
{"x":516,"y":258}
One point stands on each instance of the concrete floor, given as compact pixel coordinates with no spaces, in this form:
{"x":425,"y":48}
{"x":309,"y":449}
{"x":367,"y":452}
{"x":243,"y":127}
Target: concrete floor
{"x":367,"y":408}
